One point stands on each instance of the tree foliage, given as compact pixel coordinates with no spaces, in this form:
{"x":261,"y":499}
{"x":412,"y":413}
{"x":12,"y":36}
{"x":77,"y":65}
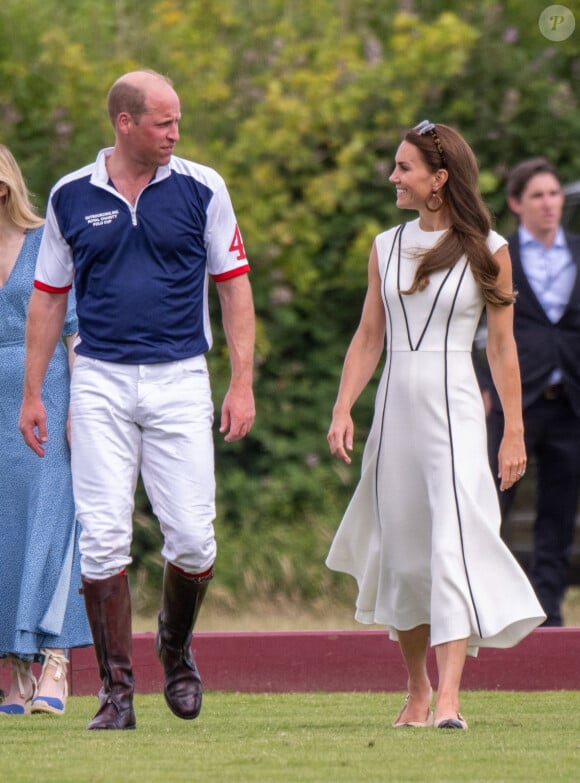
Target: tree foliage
{"x":300,"y":106}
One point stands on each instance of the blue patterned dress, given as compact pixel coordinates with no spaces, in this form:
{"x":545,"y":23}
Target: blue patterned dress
{"x":40,"y":605}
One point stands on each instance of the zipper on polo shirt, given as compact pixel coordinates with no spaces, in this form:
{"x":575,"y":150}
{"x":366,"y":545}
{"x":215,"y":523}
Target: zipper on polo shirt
{"x":121,"y":197}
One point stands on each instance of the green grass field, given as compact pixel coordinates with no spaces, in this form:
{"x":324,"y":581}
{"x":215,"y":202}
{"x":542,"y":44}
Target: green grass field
{"x":300,"y":738}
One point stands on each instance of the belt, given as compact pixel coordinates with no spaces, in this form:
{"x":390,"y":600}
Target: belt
{"x":554,"y":391}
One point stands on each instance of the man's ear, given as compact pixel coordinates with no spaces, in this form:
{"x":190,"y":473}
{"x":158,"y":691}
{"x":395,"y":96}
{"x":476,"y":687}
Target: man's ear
{"x":124,"y":120}
{"x":514,"y":204}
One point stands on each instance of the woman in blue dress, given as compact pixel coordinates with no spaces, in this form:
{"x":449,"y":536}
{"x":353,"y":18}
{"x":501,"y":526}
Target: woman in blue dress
{"x":41,"y":612}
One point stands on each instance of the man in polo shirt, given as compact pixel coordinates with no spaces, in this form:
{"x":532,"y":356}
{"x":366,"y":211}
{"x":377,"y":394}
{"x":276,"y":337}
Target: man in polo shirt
{"x":139,"y":232}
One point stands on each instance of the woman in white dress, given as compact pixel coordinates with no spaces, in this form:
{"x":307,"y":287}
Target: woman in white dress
{"x":421,"y":533}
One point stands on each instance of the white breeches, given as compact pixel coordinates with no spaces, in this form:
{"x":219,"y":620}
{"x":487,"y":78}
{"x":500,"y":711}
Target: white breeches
{"x":151,"y":418}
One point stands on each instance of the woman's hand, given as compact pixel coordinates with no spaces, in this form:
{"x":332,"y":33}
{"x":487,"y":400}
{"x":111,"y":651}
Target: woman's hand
{"x":341,"y":436}
{"x":511,"y":460}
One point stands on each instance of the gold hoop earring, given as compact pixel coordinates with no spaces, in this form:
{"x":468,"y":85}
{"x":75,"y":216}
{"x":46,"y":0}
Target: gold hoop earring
{"x":438,"y":201}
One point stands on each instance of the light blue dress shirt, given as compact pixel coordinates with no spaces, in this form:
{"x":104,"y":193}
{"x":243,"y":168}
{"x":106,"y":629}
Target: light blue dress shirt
{"x":551,"y":272}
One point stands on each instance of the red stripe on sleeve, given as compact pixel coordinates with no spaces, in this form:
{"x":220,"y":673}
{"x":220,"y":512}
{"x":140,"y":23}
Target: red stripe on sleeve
{"x":51,"y":289}
{"x":241,"y":270}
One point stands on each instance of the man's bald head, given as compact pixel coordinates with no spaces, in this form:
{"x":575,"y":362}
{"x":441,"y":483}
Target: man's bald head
{"x":129,"y":93}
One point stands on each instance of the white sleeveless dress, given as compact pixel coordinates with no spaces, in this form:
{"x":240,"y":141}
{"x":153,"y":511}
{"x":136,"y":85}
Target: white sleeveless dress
{"x":421,"y":533}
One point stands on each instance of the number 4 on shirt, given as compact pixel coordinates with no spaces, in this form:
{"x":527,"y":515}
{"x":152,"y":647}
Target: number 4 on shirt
{"x":237,"y":245}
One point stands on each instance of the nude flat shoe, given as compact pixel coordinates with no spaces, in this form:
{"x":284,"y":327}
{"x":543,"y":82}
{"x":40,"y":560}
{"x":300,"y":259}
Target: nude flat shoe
{"x":398,"y":723}
{"x":458,"y":722}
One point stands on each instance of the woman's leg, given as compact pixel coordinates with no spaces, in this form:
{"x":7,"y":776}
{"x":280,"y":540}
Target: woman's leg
{"x":414,"y":645}
{"x":450,"y":662}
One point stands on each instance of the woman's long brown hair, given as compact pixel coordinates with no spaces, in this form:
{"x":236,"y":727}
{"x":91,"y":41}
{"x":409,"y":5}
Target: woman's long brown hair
{"x":470,"y":218}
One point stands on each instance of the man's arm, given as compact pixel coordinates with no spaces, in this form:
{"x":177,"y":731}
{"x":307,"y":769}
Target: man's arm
{"x":238,"y":409}
{"x":46,"y":313}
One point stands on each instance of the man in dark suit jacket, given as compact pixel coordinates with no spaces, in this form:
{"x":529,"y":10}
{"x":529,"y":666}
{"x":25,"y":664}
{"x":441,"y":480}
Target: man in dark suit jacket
{"x":546,"y":273}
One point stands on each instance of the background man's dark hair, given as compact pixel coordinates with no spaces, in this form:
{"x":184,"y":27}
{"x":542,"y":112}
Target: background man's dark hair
{"x":521,"y":174}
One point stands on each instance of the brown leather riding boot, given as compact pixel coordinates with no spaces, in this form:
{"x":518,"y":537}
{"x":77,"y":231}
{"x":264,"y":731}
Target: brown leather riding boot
{"x":108,"y":604}
{"x":182,"y":598}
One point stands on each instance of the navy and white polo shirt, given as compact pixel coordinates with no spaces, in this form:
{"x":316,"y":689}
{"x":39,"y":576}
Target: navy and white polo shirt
{"x":141,"y":272}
